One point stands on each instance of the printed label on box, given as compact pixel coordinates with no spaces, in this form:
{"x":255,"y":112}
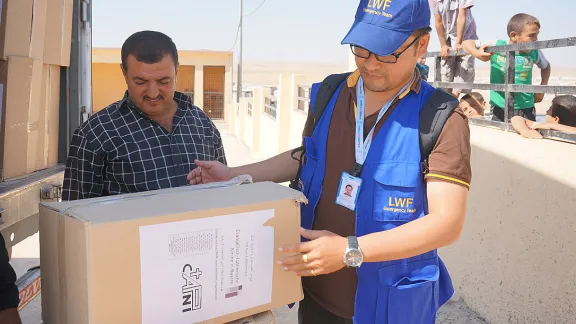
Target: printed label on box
{"x":196,"y":270}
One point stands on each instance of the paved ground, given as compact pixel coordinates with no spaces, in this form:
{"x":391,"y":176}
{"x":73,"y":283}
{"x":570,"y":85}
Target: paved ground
{"x":26,"y":254}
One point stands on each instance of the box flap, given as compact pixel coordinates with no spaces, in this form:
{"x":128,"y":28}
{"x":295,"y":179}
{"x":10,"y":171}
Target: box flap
{"x":173,"y":201}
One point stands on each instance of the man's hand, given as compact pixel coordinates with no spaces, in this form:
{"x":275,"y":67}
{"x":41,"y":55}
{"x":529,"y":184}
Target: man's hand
{"x":209,"y":171}
{"x":10,"y":316}
{"x":444,"y":51}
{"x":323,"y":254}
{"x":538,"y":97}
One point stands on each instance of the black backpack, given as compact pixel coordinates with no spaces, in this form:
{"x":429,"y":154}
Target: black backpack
{"x":433,"y":116}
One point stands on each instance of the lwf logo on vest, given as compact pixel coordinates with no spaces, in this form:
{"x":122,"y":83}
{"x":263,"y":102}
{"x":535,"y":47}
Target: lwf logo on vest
{"x":400,"y":205}
{"x":378,"y":7}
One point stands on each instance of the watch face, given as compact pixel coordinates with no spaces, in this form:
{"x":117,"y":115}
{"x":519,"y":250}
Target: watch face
{"x":353,"y":258}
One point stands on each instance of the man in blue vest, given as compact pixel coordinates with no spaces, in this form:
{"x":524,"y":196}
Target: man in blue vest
{"x":372,"y":257}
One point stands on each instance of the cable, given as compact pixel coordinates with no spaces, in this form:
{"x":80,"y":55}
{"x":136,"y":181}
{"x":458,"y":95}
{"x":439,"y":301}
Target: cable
{"x":236,"y":40}
{"x":258,"y":8}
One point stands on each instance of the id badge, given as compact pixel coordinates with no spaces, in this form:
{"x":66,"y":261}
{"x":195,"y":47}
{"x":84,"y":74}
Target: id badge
{"x":348,"y":191}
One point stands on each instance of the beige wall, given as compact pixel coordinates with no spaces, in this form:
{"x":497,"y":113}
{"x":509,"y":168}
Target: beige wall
{"x":516,"y":259}
{"x":108,"y":85}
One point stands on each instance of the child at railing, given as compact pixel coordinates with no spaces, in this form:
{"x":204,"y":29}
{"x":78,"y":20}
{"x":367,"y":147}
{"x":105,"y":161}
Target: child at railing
{"x":522,"y":28}
{"x":561,"y":116}
{"x":455,"y":24}
{"x":423,"y":68}
{"x":473,"y":105}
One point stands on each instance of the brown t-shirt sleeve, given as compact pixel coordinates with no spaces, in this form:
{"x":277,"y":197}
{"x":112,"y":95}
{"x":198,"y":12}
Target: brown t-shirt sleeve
{"x":450,"y":159}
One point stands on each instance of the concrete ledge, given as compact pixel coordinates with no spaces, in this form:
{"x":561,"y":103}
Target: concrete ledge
{"x":516,"y":259}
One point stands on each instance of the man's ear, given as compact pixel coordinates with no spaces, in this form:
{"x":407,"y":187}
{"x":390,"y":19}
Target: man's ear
{"x":513,"y":35}
{"x":423,"y":45}
{"x":176,"y":74}
{"x":124,"y":72}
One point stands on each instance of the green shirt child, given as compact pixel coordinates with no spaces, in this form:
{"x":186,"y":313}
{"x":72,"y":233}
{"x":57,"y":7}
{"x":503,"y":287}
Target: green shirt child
{"x":522,"y":28}
{"x":524,"y":65}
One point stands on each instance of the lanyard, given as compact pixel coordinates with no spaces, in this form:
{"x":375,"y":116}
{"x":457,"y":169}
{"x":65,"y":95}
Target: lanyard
{"x":362,"y":147}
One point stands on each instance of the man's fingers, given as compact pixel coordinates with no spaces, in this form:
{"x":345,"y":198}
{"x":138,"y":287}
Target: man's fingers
{"x":194,"y":174}
{"x":312,"y":234}
{"x":302,"y":267}
{"x":204,"y":164}
{"x":310,"y":272}
{"x":297,"y":248}
{"x":307,"y":258}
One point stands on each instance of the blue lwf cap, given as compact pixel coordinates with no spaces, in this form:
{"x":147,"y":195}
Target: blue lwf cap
{"x":382,"y":26}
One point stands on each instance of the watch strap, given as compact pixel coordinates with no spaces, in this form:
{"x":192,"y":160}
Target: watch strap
{"x":352,"y":242}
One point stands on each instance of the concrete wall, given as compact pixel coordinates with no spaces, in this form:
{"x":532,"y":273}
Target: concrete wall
{"x":268,"y":136}
{"x":516,"y":259}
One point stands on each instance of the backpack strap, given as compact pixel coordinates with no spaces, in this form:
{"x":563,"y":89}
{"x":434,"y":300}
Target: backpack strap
{"x":433,"y":116}
{"x":325,"y":92}
{"x":320,"y":95}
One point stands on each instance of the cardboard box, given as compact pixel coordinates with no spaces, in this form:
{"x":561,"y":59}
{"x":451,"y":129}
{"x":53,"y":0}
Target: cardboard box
{"x":23,"y":93}
{"x":58,"y":39}
{"x":31,"y":103}
{"x":261,"y":318}
{"x":23,"y":27}
{"x":47,"y":148}
{"x":183,"y":255}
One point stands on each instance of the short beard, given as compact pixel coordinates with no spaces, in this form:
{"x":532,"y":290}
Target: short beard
{"x":383,"y":86}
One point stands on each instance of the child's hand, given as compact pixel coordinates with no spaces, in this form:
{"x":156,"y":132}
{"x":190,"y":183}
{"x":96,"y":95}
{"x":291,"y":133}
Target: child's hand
{"x":533,"y":134}
{"x":482,"y":55}
{"x":538,"y":97}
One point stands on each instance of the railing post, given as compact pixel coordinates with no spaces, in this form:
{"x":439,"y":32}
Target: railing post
{"x":242,"y":117}
{"x":199,"y":86}
{"x":257,"y":110}
{"x":232,"y":118}
{"x":284,"y":110}
{"x":510,"y":79}
{"x":438,"y":69}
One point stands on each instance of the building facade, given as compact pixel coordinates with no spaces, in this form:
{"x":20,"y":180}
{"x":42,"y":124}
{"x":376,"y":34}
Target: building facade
{"x":206,"y":76}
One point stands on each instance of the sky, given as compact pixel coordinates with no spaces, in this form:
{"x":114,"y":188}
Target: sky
{"x":299,"y":30}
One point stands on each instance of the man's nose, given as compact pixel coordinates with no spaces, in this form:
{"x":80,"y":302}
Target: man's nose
{"x":152,"y":90}
{"x":371,"y":63}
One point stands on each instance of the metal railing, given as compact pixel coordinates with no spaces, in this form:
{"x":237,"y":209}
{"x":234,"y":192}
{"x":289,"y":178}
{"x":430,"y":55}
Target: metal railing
{"x":249,"y":104}
{"x":303,"y":98}
{"x":270,"y":106}
{"x":509,"y":88}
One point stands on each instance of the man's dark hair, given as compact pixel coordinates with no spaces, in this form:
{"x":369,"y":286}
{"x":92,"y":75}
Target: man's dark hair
{"x":349,"y":186}
{"x":149,"y":47}
{"x":564,"y":107}
{"x":422,"y":31}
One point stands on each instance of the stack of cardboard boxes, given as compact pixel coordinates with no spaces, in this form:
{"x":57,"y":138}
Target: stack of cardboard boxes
{"x":35,"y":41}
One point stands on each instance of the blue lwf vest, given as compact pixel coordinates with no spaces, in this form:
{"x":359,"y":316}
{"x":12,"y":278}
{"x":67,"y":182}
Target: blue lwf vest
{"x":393,"y":193}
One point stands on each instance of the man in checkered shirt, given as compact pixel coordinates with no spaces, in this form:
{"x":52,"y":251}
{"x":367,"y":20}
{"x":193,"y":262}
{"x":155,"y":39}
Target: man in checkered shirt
{"x":150,"y":139}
